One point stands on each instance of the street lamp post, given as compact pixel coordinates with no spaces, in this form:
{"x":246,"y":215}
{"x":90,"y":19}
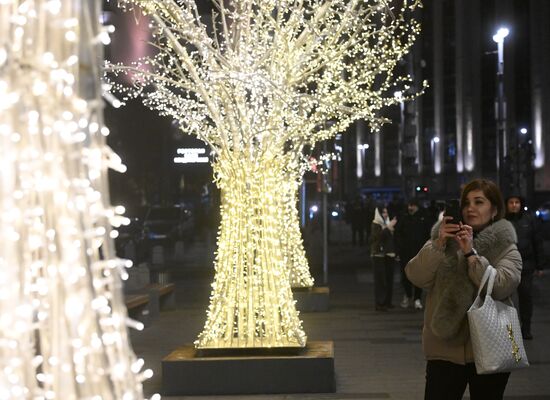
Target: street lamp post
{"x":500,"y":107}
{"x":401,"y":140}
{"x":524,"y":163}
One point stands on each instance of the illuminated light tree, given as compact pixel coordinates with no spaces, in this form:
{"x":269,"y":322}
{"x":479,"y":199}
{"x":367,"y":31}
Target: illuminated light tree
{"x":63,"y":321}
{"x":291,"y":236}
{"x":269,"y":77}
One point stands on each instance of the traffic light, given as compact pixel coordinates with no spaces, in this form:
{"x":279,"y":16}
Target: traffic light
{"x":422,"y":189}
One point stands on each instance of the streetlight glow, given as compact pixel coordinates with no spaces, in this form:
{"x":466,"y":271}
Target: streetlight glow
{"x":523,"y":131}
{"x":501,"y":35}
{"x":436,"y":139}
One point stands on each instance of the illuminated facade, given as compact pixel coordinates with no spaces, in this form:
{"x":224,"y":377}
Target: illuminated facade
{"x":449,"y":135}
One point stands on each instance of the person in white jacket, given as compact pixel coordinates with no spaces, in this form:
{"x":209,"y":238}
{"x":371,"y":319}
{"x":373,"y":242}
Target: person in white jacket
{"x":450,"y":267}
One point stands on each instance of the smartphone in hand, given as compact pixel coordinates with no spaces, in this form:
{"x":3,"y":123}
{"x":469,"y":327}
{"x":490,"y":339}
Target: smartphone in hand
{"x":452,"y":209}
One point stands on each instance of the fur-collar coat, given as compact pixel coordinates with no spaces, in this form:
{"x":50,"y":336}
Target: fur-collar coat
{"x":452,"y":285}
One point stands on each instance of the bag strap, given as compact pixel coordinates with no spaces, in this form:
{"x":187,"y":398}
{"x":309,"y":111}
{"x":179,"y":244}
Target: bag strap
{"x":489,"y":278}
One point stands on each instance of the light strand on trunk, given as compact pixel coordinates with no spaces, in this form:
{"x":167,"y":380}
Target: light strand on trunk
{"x":251,"y":303}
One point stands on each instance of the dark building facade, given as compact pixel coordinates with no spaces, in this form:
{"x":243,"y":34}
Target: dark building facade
{"x":451,"y":134}
{"x":446,"y":137}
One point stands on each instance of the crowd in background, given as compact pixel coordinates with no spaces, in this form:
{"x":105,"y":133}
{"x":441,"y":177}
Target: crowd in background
{"x":410,"y":223}
{"x":449,"y":251}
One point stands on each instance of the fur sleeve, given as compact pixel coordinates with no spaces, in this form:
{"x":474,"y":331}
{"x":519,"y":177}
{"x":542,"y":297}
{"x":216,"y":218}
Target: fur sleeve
{"x":508,"y":272}
{"x":422,"y":268}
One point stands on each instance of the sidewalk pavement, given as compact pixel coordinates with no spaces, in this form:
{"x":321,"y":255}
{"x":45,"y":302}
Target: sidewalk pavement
{"x":378,"y":355}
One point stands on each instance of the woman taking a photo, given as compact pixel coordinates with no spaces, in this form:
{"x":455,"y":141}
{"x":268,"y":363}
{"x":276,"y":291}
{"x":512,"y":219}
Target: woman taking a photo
{"x":450,"y":267}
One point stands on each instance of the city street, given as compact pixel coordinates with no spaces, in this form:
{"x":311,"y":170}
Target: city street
{"x":377,"y":354}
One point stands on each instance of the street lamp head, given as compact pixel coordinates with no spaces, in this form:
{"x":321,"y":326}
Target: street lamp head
{"x":501,"y":35}
{"x":523,"y":131}
{"x":436,"y":139}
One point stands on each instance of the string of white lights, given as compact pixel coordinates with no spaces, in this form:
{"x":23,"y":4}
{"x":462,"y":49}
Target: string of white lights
{"x":291,"y":236}
{"x":63,"y":321}
{"x":270,"y":77}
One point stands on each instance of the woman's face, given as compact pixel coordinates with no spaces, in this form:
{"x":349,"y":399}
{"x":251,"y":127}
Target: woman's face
{"x":385,"y":213}
{"x":477,"y":210}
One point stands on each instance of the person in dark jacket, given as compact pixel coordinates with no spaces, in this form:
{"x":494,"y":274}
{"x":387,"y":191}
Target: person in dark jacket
{"x":411,"y":232}
{"x":382,"y":250}
{"x":529,"y":245}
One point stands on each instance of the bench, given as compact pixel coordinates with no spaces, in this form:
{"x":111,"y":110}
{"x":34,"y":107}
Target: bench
{"x":145,"y":305}
{"x":166,"y":296}
{"x":138,"y":307}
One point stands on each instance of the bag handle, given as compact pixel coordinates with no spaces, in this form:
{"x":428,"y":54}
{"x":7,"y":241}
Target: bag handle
{"x":489,"y":278}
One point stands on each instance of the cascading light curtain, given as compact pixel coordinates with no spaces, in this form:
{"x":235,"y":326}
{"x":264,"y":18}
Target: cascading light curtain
{"x":270,"y":77}
{"x":63,"y":321}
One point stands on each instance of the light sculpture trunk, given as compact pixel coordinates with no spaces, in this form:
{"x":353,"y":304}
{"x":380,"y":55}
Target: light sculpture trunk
{"x":251,"y":303}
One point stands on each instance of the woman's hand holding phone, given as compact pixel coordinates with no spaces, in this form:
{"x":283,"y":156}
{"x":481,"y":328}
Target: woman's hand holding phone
{"x":447,"y":230}
{"x":465,"y":238}
{"x":463,"y":234}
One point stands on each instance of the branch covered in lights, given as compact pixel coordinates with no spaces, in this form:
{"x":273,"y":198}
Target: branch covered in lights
{"x":268,"y":78}
{"x":63,"y":321}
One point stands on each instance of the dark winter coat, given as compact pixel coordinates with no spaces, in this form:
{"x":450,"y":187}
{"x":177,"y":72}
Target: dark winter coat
{"x":529,"y":239}
{"x":381,"y":241}
{"x":411,"y":232}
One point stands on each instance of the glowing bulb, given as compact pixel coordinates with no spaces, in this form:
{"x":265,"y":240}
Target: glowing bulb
{"x":72,"y":60}
{"x":105,"y":38}
{"x":70,"y":36}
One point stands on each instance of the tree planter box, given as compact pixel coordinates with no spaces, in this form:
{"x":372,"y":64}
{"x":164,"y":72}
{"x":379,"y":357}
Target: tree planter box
{"x":314,"y":299}
{"x":188,"y":371}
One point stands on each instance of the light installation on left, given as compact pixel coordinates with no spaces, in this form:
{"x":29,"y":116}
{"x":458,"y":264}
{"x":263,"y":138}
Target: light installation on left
{"x":63,"y":321}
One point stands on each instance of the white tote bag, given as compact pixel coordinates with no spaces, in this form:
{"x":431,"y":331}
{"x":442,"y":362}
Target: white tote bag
{"x":495,"y":332}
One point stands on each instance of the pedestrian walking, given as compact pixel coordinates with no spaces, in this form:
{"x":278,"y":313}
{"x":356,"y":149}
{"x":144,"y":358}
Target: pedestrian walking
{"x":411,"y":232}
{"x":530,"y":248}
{"x":450,"y":267}
{"x":382,"y":249}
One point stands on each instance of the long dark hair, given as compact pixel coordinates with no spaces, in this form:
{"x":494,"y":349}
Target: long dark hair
{"x":490,"y":190}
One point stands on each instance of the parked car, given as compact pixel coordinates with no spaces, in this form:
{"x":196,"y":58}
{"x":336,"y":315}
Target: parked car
{"x":164,"y":225}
